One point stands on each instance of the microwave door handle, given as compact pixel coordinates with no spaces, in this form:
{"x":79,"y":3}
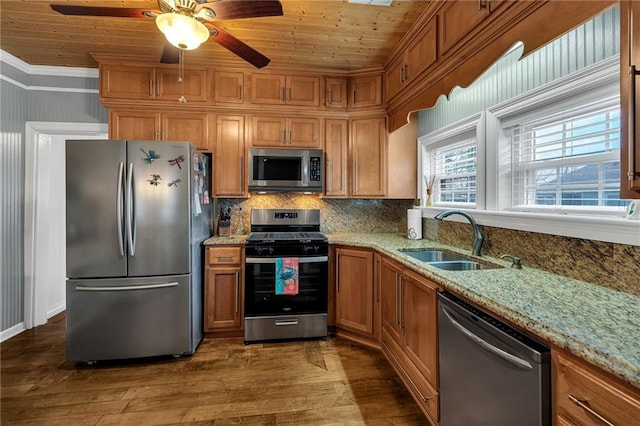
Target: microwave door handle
{"x":305,"y":169}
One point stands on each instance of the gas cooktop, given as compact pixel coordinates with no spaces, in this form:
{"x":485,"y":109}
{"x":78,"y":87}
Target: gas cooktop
{"x":288,"y":236}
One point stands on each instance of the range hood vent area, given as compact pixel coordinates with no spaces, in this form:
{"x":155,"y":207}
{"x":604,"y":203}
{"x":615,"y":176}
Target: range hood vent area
{"x":276,"y":189}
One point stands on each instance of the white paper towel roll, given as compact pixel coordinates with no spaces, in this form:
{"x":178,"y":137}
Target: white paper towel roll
{"x":414,"y":224}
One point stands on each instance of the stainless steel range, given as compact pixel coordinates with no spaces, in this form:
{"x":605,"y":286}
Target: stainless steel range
{"x":286,"y":276}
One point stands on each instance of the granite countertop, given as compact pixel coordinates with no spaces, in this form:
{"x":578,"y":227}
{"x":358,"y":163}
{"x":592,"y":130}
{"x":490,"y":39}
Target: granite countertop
{"x":231,"y":240}
{"x":598,"y":324}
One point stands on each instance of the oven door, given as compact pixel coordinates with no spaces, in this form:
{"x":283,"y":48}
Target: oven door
{"x":260,"y":287}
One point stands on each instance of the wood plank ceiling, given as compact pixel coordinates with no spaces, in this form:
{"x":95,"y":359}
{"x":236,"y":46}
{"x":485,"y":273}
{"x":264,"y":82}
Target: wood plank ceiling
{"x":322,"y":33}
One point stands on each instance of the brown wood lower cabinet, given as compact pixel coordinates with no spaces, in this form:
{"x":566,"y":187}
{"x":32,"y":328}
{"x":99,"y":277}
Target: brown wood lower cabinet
{"x":409,"y":331}
{"x":583,"y":395}
{"x":223,"y":289}
{"x":354,"y":291}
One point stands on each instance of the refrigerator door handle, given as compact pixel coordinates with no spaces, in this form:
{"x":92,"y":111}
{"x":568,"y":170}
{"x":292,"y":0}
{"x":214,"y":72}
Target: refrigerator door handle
{"x":130,"y":212}
{"x":127,"y":287}
{"x":119,"y":212}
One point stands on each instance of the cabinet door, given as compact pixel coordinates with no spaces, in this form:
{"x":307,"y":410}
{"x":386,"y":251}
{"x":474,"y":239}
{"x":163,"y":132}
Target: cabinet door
{"x":457,"y":19}
{"x":583,"y":395}
{"x":630,"y":100}
{"x":419,"y":324}
{"x":268,"y":89}
{"x":222,"y":299}
{"x":390,"y":299}
{"x":354,"y":290}
{"x":269,"y":131}
{"x":421,"y":52}
{"x":139,"y":125}
{"x":394,"y":77}
{"x":303,"y":132}
{"x":186,"y":126}
{"x":303,"y":91}
{"x":335,"y":156}
{"x":228,"y":87}
{"x":368,"y":153}
{"x":192,"y":86}
{"x":228,"y":157}
{"x":127,"y":82}
{"x":336,"y":92}
{"x":366,"y":91}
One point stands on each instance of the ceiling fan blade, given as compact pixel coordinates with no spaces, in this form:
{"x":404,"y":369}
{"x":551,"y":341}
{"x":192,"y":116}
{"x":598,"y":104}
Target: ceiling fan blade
{"x":170,"y":54}
{"x":238,"y":47}
{"x":117,"y":12}
{"x":238,"y":9}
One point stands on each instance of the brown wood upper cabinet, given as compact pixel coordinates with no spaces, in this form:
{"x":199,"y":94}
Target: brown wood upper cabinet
{"x":229,"y":157}
{"x":281,"y":132}
{"x":458,"y":18}
{"x":161,"y":126}
{"x":366,"y":91}
{"x":630,"y":99}
{"x":336,"y":152}
{"x":420,"y":53}
{"x":336,"y":88}
{"x":274,"y":89}
{"x":368,"y":157}
{"x":147,"y":83}
{"x":228,"y":87}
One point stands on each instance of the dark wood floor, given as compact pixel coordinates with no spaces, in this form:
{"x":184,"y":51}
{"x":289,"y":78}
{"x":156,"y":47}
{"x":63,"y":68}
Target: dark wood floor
{"x":333,"y":382}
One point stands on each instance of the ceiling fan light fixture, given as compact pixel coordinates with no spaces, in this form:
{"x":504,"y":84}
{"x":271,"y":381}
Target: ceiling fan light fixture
{"x":182,"y":31}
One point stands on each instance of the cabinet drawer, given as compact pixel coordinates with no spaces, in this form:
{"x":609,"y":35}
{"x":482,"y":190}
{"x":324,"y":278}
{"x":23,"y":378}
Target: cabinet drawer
{"x":423,"y":393}
{"x":583,"y":393}
{"x":224,"y":255}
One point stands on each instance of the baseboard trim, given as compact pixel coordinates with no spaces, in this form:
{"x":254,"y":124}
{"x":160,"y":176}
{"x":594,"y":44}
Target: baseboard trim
{"x":12,"y":331}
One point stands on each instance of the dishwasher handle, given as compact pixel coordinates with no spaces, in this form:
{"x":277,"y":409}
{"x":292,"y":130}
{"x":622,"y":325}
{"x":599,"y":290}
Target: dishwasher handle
{"x":518,"y":362}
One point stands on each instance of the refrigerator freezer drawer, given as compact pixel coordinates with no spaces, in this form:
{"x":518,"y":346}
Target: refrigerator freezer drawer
{"x":128,"y":318}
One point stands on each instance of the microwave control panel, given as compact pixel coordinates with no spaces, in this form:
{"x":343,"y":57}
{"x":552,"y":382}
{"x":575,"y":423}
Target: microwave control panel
{"x":314,"y":169}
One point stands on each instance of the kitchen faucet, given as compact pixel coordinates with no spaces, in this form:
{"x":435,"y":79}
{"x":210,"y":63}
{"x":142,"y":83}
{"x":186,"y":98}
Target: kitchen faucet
{"x":478,"y":238}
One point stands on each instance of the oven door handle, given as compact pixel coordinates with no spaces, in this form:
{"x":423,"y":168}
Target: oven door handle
{"x":312,"y":259}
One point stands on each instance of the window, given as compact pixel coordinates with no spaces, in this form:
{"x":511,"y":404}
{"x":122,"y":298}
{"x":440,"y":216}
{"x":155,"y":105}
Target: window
{"x":452,"y":164}
{"x":455,"y":169}
{"x":568,"y":159}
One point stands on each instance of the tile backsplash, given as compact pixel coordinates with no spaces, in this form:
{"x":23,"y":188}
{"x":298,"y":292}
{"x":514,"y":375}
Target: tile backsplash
{"x":615,"y":266}
{"x":336,"y":215}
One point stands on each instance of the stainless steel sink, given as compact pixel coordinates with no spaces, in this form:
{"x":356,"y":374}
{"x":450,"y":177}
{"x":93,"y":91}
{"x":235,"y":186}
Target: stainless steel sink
{"x":460,"y":265}
{"x":446,"y":260}
{"x":432,"y":255}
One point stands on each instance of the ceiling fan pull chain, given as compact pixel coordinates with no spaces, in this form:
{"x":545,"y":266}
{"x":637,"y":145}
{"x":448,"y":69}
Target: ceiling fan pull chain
{"x":181,"y":99}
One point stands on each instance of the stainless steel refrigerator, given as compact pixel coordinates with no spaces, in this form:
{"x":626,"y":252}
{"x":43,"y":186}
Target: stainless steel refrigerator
{"x":137,"y":213}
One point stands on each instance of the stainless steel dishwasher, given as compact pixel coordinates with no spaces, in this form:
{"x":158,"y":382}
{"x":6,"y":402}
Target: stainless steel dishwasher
{"x":490,"y":373}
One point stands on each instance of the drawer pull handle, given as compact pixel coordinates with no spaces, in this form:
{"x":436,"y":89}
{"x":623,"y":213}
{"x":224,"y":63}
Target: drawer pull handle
{"x":585,"y":407}
{"x":286,"y":322}
{"x":225,"y":257}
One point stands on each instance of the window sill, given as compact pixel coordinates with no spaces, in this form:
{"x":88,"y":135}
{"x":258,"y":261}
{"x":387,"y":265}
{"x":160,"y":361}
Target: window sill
{"x":614,"y":230}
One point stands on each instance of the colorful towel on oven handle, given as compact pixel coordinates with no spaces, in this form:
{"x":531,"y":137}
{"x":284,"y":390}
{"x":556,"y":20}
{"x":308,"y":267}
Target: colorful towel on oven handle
{"x":287,"y":276}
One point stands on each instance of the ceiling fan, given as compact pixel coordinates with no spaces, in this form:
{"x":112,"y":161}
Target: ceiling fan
{"x":188,"y":23}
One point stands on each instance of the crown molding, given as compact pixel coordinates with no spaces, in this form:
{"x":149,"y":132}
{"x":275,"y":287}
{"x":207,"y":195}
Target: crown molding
{"x":9,"y":59}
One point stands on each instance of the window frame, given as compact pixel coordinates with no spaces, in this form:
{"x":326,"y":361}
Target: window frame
{"x":452,"y":134}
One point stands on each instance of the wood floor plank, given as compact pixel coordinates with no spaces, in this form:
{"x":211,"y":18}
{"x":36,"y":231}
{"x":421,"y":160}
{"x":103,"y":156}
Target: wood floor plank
{"x":332,"y":382}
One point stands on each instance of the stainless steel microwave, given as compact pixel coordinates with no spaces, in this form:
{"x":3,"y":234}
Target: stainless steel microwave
{"x":285,"y":170}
